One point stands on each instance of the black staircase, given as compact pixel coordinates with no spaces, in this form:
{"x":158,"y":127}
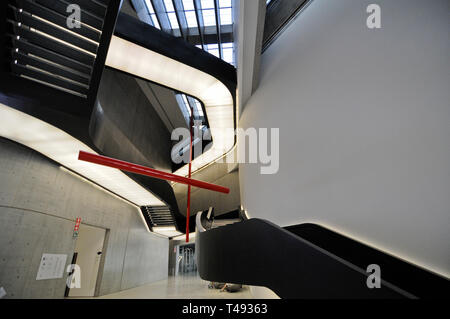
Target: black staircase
{"x":45,"y":45}
{"x":306,"y":261}
{"x":157,"y":216}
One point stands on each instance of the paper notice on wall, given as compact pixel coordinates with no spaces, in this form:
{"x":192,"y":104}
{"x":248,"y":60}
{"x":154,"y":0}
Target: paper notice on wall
{"x":52,"y":266}
{"x":2,"y":292}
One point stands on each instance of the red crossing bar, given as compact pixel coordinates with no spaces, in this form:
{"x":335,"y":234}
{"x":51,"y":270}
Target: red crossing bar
{"x":188,"y":208}
{"x":138,"y":169}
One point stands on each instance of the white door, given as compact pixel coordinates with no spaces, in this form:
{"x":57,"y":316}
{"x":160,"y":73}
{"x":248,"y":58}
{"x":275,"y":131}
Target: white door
{"x":89,"y":247}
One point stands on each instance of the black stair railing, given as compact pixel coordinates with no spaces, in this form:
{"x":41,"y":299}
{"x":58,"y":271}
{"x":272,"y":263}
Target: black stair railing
{"x":306,"y":261}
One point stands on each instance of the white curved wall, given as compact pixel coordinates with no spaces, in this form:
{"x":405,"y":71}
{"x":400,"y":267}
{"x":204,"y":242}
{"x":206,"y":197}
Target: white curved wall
{"x":364,"y":118}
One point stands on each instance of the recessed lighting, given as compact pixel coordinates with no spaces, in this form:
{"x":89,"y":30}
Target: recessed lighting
{"x":169,"y":231}
{"x":64,"y":148}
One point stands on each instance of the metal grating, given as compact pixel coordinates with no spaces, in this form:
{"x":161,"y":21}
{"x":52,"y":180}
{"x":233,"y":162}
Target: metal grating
{"x":158,"y":216}
{"x":43,"y":48}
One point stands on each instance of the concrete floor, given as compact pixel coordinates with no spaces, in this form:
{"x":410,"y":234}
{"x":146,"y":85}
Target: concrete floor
{"x":179,"y":287}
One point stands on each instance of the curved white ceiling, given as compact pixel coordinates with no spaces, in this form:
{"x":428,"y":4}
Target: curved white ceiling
{"x":64,"y":148}
{"x":137,"y":60}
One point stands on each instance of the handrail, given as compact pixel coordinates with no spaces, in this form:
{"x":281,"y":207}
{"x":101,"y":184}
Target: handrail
{"x":259,"y":253}
{"x":198,"y":222}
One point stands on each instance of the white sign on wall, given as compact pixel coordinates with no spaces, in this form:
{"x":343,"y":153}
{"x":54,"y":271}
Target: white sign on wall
{"x":52,"y":266}
{"x":2,"y":292}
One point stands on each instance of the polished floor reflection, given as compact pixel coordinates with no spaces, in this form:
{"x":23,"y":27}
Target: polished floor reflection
{"x":187,"y":286}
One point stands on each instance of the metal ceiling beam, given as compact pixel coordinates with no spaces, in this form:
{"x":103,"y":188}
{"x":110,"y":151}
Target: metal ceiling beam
{"x":200,"y":23}
{"x":161,"y":15}
{"x":142,"y":11}
{"x":210,"y":38}
{"x":218,"y":31}
{"x":192,"y":105}
{"x":181,"y":18}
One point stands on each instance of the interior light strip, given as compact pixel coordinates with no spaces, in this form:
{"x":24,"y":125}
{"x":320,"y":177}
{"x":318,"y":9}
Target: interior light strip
{"x":142,"y":62}
{"x":64,"y":148}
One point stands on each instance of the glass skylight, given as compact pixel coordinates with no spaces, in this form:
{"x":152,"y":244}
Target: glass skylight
{"x":213,"y":49}
{"x":191,"y":19}
{"x":188,"y":5}
{"x":225,"y":12}
{"x":228,"y":52}
{"x":173,"y":20}
{"x":225,"y":3}
{"x":185,"y":104}
{"x":152,"y":14}
{"x":225,"y":16}
{"x":198,"y":108}
{"x":207,"y":4}
{"x":207,"y":13}
{"x":209,"y":17}
{"x":169,"y":6}
{"x":170,"y":10}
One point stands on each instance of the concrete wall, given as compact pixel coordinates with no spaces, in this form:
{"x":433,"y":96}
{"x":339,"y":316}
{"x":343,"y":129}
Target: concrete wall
{"x":126,"y":125}
{"x":39,"y":202}
{"x":364,"y":126}
{"x":127,"y":7}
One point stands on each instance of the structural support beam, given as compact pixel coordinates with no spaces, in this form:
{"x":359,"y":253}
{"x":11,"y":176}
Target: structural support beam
{"x":218,"y":31}
{"x":181,"y":18}
{"x":141,"y":11}
{"x":163,"y":19}
{"x":109,"y":23}
{"x":200,"y":23}
{"x":188,"y":210}
{"x":250,"y":30}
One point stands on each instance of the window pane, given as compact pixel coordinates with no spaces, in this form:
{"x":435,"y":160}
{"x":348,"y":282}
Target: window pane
{"x":191,"y":19}
{"x":214,"y":52}
{"x":185,"y":107}
{"x":173,"y":20}
{"x":169,"y":6}
{"x":228,"y":55}
{"x":149,"y":6}
{"x":199,"y":108}
{"x":207,"y":4}
{"x":225,"y":16}
{"x":188,"y":5}
{"x":225,"y":3}
{"x":155,"y":21}
{"x":209,"y":17}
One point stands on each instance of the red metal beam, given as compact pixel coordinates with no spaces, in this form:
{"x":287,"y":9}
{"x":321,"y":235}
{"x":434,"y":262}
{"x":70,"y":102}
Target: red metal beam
{"x":188,"y":209}
{"x":139,"y":169}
